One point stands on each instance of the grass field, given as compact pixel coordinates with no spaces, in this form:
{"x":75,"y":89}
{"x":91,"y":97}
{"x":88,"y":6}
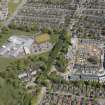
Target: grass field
{"x":4,"y":62}
{"x":42,"y":38}
{"x":12,"y":5}
{"x":1,"y":23}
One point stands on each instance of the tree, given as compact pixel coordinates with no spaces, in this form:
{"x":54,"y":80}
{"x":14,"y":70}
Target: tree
{"x":13,"y":25}
{"x":75,"y":83}
{"x":11,"y":89}
{"x":103,"y":85}
{"x":86,"y":85}
{"x":5,"y":29}
{"x":42,"y":79}
{"x":33,"y":26}
{"x":54,"y":78}
{"x":82,"y":85}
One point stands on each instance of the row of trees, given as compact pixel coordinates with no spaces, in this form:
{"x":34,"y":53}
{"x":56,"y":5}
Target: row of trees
{"x":34,"y":27}
{"x":89,"y":86}
{"x":86,"y":87}
{"x":12,"y":90}
{"x":24,"y":27}
{"x":52,"y":1}
{"x":56,"y":57}
{"x":61,"y":63}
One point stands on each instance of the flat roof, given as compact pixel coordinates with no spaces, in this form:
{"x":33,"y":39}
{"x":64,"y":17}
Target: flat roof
{"x":42,"y":38}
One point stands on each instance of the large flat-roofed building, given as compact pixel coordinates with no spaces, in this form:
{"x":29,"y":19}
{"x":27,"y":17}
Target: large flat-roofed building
{"x":89,"y":58}
{"x":18,"y":46}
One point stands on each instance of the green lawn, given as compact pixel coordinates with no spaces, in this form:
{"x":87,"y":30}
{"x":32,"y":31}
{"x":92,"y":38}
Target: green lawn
{"x":54,"y":38}
{"x":18,"y":32}
{"x":4,"y":62}
{"x":1,"y":23}
{"x":12,"y":6}
{"x":4,"y":37}
{"x":43,"y":55}
{"x":37,"y":98}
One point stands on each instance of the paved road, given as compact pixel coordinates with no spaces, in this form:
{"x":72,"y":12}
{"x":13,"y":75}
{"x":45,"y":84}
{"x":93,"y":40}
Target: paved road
{"x":101,"y":101}
{"x":77,"y":13}
{"x":8,"y":21}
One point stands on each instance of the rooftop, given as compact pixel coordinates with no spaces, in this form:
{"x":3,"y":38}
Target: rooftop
{"x":88,"y":56}
{"x":16,"y":46}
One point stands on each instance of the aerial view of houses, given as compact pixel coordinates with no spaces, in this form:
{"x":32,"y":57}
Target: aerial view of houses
{"x":52,"y":52}
{"x":3,"y":9}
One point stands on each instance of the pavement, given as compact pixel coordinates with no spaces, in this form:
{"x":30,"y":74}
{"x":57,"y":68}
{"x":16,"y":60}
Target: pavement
{"x":101,"y":101}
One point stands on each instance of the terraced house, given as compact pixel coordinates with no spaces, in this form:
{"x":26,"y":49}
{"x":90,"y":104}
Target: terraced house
{"x":3,"y":9}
